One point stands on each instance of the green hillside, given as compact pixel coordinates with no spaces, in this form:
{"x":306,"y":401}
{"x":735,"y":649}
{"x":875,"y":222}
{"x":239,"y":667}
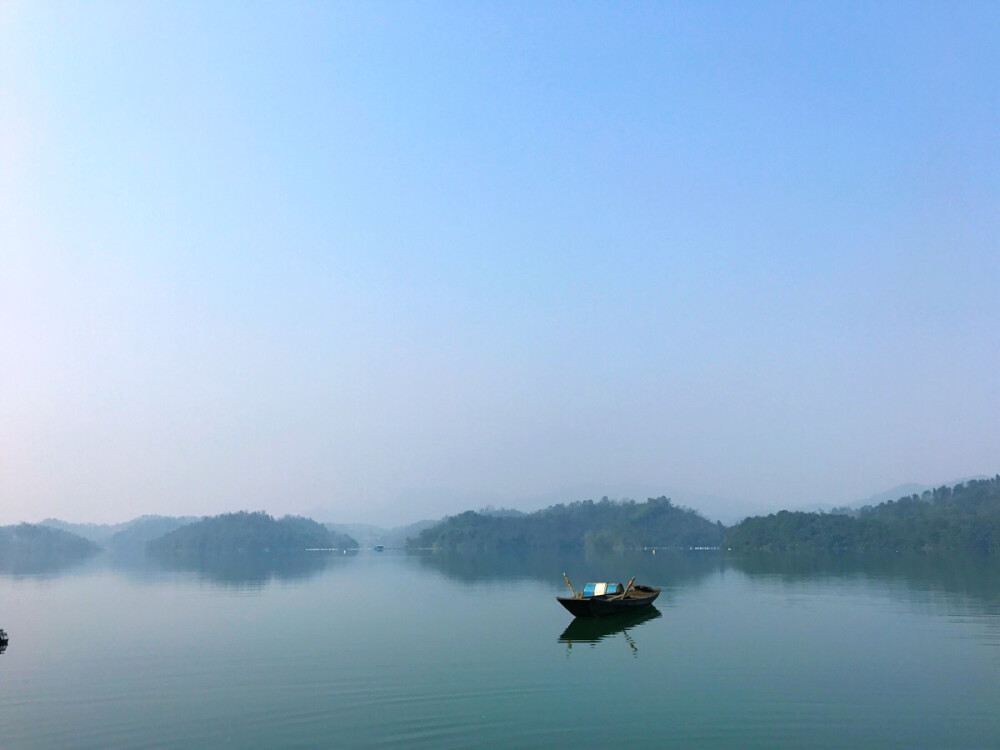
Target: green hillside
{"x":32,"y":547}
{"x":584,"y":526}
{"x":249,"y":532}
{"x":962,"y":518}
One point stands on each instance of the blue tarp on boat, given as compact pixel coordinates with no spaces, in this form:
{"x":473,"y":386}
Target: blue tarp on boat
{"x":599,"y":589}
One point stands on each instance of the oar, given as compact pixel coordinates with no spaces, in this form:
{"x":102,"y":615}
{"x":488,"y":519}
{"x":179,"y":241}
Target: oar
{"x":570,"y":585}
{"x":627,"y":588}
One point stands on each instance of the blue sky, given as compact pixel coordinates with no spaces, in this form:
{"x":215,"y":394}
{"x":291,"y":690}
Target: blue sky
{"x":386,"y":261}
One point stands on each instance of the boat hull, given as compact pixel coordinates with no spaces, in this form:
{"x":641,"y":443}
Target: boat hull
{"x":603,"y":606}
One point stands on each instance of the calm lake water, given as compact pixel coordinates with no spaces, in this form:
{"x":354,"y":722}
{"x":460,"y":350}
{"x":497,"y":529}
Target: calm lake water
{"x":389,"y":650}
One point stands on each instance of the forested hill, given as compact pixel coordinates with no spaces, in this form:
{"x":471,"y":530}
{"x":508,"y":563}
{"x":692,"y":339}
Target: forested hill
{"x":599,"y":526}
{"x":249,"y":532}
{"x":962,"y":518}
{"x":133,"y":538}
{"x":29,"y":547}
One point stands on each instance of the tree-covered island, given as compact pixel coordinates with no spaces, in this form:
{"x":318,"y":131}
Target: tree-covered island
{"x":602,"y":526}
{"x":960,"y":518}
{"x":249,"y":532}
{"x":30,"y":547}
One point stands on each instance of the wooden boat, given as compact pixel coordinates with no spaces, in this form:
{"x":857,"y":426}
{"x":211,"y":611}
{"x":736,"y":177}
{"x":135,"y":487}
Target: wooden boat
{"x":603,"y":599}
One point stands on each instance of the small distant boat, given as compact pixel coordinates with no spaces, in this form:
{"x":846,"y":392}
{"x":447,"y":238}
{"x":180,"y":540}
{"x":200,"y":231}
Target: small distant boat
{"x":3,"y":637}
{"x":379,"y":548}
{"x":603,"y":599}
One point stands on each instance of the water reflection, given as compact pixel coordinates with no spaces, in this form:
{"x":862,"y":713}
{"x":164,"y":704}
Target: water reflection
{"x":593,"y":630}
{"x":663,"y":570}
{"x":973,"y":578}
{"x":959,"y":586}
{"x":241,"y":569}
{"x":39,"y":564}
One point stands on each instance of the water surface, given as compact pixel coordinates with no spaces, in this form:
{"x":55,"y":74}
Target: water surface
{"x":390,"y":650}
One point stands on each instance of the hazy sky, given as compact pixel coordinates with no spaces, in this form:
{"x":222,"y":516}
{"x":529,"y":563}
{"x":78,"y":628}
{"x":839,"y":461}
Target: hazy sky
{"x":386,"y":261}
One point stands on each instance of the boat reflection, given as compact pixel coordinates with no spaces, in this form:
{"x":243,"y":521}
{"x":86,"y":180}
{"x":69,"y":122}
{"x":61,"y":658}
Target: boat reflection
{"x":595,"y":629}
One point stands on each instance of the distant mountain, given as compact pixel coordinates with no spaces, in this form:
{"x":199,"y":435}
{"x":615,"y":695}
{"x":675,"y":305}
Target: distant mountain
{"x":95,"y":532}
{"x":450,"y":502}
{"x":138,"y":533}
{"x":907,"y":490}
{"x":368,"y":536}
{"x":710,"y":506}
{"x":28,"y":548}
{"x":602,"y":526}
{"x":893,"y":493}
{"x":403,"y":533}
{"x":365,"y":534}
{"x":249,"y":532}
